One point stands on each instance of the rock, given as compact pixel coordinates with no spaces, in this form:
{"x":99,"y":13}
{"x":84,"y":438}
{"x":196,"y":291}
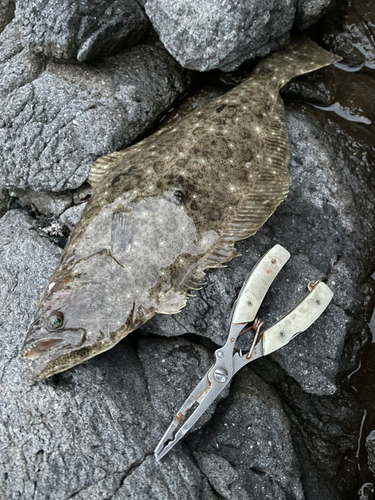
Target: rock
{"x":370,"y":447}
{"x":366,"y":492}
{"x":349,"y":32}
{"x":71,"y":216}
{"x":4,"y":201}
{"x":45,"y":202}
{"x":326,"y":227}
{"x":207,"y":35}
{"x":248,"y":450}
{"x":89,"y":432}
{"x":54,"y":127}
{"x":69,"y":29}
{"x":6,"y":12}
{"x":172,"y":369}
{"x":176,"y":478}
{"x":324,"y":431}
{"x":17,"y":65}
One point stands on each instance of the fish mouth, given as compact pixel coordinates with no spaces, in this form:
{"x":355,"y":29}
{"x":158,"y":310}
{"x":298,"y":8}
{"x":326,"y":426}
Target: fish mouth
{"x":35,"y":350}
{"x":43,"y":354}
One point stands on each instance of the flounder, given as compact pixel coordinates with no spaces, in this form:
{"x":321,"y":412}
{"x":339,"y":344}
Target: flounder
{"x":165,"y":210}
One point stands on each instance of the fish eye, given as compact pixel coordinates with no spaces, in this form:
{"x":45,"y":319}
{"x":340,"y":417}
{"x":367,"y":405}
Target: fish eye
{"x":56,"y":320}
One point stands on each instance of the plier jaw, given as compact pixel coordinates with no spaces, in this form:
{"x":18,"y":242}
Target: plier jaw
{"x":227,"y":361}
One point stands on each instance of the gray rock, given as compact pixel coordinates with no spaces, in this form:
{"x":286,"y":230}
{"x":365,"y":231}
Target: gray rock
{"x":72,"y":215}
{"x":370,"y":448}
{"x":4,"y":201}
{"x":172,"y":370}
{"x":176,"y":478}
{"x":45,"y":202}
{"x":207,"y":34}
{"x":54,"y":127}
{"x":6,"y":12}
{"x":89,"y":432}
{"x":309,"y":11}
{"x":327,"y":228}
{"x":248,"y":451}
{"x":324,"y":432}
{"x":82,"y":30}
{"x":17,"y":65}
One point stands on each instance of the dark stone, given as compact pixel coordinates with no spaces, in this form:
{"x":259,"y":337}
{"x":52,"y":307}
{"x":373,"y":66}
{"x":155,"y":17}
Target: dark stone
{"x":83,"y":30}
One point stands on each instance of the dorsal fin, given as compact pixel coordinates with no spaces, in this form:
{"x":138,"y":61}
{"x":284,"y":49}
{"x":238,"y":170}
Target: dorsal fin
{"x":103,"y":165}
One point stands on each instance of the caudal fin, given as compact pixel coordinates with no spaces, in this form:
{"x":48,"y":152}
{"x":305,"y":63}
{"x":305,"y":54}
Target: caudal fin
{"x":299,"y":57}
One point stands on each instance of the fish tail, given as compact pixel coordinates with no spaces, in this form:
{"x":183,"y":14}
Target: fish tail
{"x":299,"y":57}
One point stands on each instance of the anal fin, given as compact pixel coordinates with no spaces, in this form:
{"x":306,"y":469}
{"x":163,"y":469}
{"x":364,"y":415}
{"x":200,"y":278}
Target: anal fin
{"x":171,"y":302}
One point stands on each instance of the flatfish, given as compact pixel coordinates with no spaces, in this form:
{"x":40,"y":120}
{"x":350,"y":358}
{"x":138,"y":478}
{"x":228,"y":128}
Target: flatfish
{"x":164,"y":211}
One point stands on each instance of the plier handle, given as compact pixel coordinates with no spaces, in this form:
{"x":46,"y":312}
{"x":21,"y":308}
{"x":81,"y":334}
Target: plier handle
{"x":244,"y":311}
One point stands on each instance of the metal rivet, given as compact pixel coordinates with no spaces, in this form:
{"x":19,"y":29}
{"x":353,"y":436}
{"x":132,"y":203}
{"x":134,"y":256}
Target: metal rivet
{"x":273,"y":261}
{"x":220,"y":354}
{"x":282,"y":334}
{"x":249,"y":304}
{"x":318,"y":302}
{"x":221,"y":375}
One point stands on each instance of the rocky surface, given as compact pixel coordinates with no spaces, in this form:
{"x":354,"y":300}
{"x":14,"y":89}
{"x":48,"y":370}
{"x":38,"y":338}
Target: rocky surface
{"x":83,"y":30}
{"x":6,"y":12}
{"x":206,"y":35}
{"x":56,"y":122}
{"x":370,"y":446}
{"x":350,"y":32}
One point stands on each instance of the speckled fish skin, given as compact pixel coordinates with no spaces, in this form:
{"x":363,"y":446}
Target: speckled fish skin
{"x":165,"y":210}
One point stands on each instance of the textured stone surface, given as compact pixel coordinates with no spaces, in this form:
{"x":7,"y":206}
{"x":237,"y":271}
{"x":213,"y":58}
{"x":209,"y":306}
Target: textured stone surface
{"x":17,"y":65}
{"x":54,"y":127}
{"x":349,"y":32}
{"x":370,"y":447}
{"x":6,"y":12}
{"x":83,"y":30}
{"x":206,"y":35}
{"x":327,"y":229}
{"x":248,"y":452}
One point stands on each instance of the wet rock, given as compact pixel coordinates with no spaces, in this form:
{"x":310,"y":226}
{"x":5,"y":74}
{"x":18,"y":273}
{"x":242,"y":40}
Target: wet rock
{"x":326,"y":227}
{"x":349,"y":32}
{"x":248,"y":451}
{"x":366,"y":492}
{"x":54,"y":127}
{"x":68,"y":29}
{"x":370,"y":447}
{"x":206,"y":35}
{"x":45,"y":202}
{"x":89,"y":432}
{"x":6,"y":12}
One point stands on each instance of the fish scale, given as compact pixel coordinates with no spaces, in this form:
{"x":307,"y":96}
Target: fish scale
{"x":164,"y":211}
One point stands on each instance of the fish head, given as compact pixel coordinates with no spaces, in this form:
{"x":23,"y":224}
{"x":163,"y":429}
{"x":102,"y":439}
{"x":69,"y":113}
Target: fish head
{"x":86,"y":312}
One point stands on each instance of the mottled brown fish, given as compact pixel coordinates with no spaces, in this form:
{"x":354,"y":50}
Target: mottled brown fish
{"x":165,"y":210}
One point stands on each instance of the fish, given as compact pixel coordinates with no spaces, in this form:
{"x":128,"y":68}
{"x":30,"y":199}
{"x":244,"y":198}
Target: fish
{"x":165,"y":210}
